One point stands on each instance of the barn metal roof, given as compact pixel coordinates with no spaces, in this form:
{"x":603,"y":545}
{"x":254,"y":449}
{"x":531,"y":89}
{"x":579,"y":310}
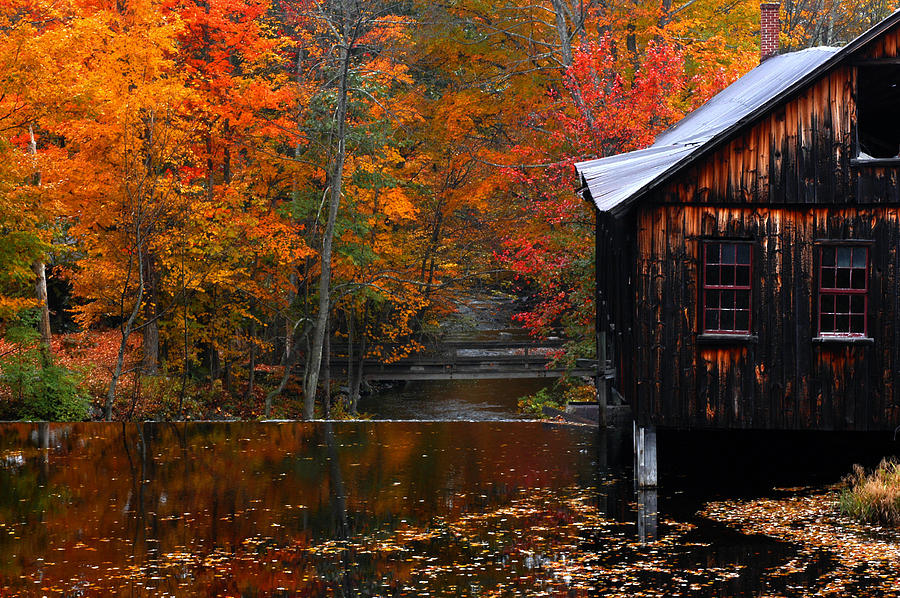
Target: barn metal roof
{"x":614,"y":183}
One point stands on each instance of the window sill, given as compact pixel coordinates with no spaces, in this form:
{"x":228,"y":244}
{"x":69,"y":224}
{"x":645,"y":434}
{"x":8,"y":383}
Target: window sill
{"x":857,"y":340}
{"x":875,"y":161}
{"x":726,"y":339}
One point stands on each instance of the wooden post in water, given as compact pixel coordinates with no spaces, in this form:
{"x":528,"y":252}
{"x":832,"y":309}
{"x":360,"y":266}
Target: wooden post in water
{"x":645,"y":475}
{"x":647,"y":515}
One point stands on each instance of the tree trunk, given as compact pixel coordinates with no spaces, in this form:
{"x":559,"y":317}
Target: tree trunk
{"x":326,"y":373}
{"x":150,"y":361}
{"x":287,"y":356}
{"x":351,"y":363}
{"x":39,"y":269}
{"x":337,"y":175}
{"x":251,"y":377}
{"x":125,"y":329}
{"x":565,"y":48}
{"x":356,"y":379}
{"x":356,"y":383}
{"x":40,"y":288}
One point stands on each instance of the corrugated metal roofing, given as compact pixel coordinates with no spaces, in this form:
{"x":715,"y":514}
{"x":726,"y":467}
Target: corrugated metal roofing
{"x":615,"y":179}
{"x":745,"y":96}
{"x":612,"y":182}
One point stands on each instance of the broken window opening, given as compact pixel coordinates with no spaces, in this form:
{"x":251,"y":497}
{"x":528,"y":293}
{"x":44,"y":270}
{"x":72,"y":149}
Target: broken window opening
{"x":878,"y":119}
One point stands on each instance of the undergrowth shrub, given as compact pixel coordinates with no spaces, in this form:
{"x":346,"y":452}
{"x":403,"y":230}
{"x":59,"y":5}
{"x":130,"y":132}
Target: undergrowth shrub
{"x":564,"y":391}
{"x":33,"y":389}
{"x":873,"y":497}
{"x":545,"y":397}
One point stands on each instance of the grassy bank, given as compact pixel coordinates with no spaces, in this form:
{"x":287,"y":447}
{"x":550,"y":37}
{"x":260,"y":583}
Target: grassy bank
{"x":873,"y":497}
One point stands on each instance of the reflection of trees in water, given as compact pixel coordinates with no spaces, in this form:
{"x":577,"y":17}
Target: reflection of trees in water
{"x":208,"y":489}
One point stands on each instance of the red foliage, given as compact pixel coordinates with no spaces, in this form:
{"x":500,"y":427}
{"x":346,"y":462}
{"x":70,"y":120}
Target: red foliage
{"x":600,"y":113}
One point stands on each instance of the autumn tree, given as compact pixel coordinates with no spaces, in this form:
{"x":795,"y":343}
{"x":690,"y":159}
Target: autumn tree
{"x":807,"y":23}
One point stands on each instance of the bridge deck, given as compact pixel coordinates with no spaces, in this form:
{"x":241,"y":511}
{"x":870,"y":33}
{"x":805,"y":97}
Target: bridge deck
{"x":474,"y":360}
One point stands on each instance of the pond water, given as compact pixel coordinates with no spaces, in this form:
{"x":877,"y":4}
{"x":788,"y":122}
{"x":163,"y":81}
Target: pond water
{"x":313,"y":509}
{"x":453,"y":399}
{"x":404,"y":509}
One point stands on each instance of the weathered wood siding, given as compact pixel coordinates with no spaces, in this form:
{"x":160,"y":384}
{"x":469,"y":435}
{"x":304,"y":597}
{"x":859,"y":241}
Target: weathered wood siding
{"x":783,"y":379}
{"x":885,"y":46}
{"x":616,"y":277}
{"x":799,"y":154}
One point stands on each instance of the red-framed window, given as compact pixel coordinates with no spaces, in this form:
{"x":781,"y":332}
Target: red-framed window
{"x":843,"y":290}
{"x":726,"y":287}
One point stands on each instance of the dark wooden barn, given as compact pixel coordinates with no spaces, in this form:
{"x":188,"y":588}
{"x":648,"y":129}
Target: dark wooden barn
{"x":749,"y":261}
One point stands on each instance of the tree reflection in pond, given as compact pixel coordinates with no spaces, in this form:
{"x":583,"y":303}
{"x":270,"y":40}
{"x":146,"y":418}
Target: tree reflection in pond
{"x":392,"y":509}
{"x":310,"y":509}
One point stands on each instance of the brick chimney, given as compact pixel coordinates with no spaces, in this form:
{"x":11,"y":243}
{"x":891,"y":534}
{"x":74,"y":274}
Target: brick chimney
{"x":770,"y":25}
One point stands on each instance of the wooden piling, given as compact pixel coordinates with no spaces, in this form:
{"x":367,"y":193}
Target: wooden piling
{"x":645,"y":474}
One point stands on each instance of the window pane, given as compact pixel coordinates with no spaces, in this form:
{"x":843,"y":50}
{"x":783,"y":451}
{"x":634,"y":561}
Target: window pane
{"x":827,"y":278}
{"x":858,"y":278}
{"x":743,"y":253}
{"x":843,"y":257}
{"x":727,"y":253}
{"x":727,"y":276}
{"x":712,"y":275}
{"x":828,"y":256}
{"x":858,"y":304}
{"x":727,"y":300}
{"x":712,"y":319}
{"x":842,"y":278}
{"x":742,"y":299}
{"x":841,"y":323}
{"x":842,"y":304}
{"x":742,"y":276}
{"x":712,"y":299}
{"x":726,"y":320}
{"x":827,"y":323}
{"x":858,"y":324}
{"x":712,"y":253}
{"x":827,"y":306}
{"x":742,"y":321}
{"x":859,"y":257}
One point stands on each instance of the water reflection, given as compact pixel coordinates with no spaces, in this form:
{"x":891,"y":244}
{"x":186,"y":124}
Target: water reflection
{"x":375,"y":509}
{"x":329,"y":509}
{"x":454,"y":400}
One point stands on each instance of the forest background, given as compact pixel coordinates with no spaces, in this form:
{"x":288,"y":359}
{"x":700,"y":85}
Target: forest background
{"x":198,"y":197}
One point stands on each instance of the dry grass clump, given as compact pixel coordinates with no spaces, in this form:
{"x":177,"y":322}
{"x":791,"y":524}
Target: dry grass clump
{"x":873,"y":497}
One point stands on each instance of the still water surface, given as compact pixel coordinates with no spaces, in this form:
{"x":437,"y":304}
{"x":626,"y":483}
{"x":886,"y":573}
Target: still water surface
{"x":455,"y":400}
{"x":403,"y":509}
{"x":318,"y":509}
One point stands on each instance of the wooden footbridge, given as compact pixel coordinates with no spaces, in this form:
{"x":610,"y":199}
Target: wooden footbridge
{"x":476,"y":360}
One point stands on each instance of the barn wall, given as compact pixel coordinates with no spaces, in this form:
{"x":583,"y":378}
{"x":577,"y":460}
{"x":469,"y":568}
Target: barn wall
{"x":784,"y":181}
{"x":799,"y":154}
{"x":886,"y":46}
{"x":616,"y":275}
{"x":782,"y":379}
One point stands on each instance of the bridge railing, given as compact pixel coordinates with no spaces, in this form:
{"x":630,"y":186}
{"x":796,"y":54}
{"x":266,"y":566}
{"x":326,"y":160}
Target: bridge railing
{"x":463,"y":349}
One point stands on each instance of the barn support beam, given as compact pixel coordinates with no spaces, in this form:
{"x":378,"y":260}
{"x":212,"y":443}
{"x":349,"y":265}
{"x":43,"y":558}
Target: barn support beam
{"x":647,"y":515}
{"x":645,"y":474}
